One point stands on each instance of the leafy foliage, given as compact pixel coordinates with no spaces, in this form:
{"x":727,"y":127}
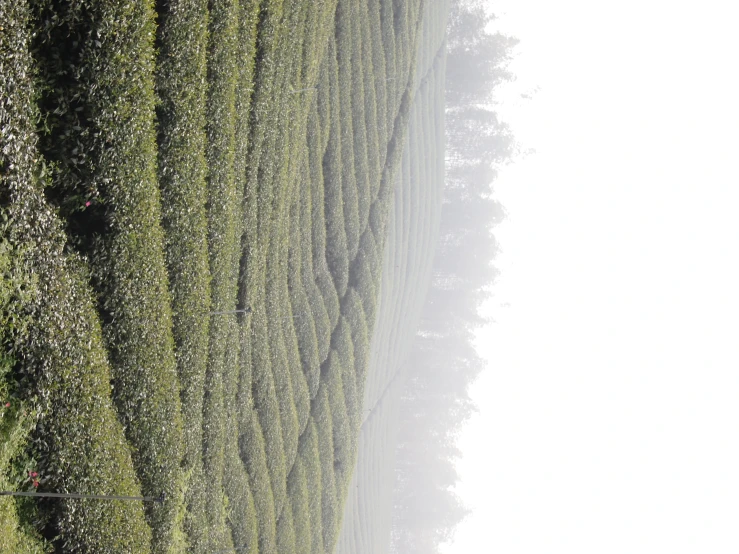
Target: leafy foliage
{"x":198,"y":191}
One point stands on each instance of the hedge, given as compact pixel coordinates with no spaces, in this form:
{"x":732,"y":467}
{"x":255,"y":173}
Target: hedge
{"x":360,"y":337}
{"x":297,"y":490}
{"x":267,"y":406}
{"x":337,"y":255}
{"x":61,"y":360}
{"x":102,"y":141}
{"x":303,"y":309}
{"x":309,"y":456}
{"x":182,"y":38}
{"x":253,"y":455}
{"x":17,"y":420}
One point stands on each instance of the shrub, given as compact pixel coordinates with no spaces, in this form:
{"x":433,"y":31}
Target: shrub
{"x":253,"y":455}
{"x":365,"y":285}
{"x":351,"y":372}
{"x":329,"y":501}
{"x":182,"y":37}
{"x":360,"y":128}
{"x":282,"y":375}
{"x":301,"y":288}
{"x":17,"y":290}
{"x":360,"y":333}
{"x":62,"y":361}
{"x":285,"y":530}
{"x":267,"y":406}
{"x":343,"y":442}
{"x":344,"y":93}
{"x":309,"y":456}
{"x":98,"y":102}
{"x":64,"y":365}
{"x":242,"y":516}
{"x":337,"y":255}
{"x":374,"y":118}
{"x":299,"y":329}
{"x":297,"y":491}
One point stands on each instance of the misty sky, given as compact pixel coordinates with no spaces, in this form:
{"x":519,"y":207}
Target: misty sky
{"x":609,"y":413}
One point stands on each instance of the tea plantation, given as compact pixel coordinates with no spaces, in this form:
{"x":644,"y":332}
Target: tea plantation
{"x":413,"y":229}
{"x":194,"y":206}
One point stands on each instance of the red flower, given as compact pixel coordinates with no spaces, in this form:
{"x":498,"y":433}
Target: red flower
{"x":87,"y":204}
{"x":34,"y":474}
{"x":7,"y":404}
{"x":35,"y":483}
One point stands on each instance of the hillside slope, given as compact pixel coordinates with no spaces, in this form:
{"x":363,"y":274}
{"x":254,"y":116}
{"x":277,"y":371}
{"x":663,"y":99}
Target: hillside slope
{"x":202,"y":191}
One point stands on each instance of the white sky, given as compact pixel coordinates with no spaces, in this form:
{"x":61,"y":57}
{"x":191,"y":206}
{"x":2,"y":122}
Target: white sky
{"x":609,"y":413}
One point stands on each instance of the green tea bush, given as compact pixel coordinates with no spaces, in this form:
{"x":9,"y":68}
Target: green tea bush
{"x":224,"y":229}
{"x":253,"y":455}
{"x":374,"y":87}
{"x":322,"y":284}
{"x":224,"y":234}
{"x":299,"y":333}
{"x":310,"y":313}
{"x":343,"y":345}
{"x":267,"y":405}
{"x":16,"y":536}
{"x":98,"y":105}
{"x":297,"y":491}
{"x":182,"y":38}
{"x":364,"y":283}
{"x":214,"y":438}
{"x":321,"y":271}
{"x":369,"y":255}
{"x":337,"y":255}
{"x":329,"y":501}
{"x":244,"y":398}
{"x":242,"y":516}
{"x":296,"y":312}
{"x":390,"y":53}
{"x":344,"y":95}
{"x":78,"y":443}
{"x":360,"y":332}
{"x":310,"y":460}
{"x":343,"y":441}
{"x":360,"y":128}
{"x":283,"y":385}
{"x":17,"y":291}
{"x":240,"y":513}
{"x":286,"y":539}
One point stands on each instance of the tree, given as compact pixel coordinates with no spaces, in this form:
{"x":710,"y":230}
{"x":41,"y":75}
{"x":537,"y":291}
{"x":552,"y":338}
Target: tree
{"x":443,"y":361}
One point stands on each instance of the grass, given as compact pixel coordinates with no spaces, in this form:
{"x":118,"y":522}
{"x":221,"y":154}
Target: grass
{"x":158,"y":166}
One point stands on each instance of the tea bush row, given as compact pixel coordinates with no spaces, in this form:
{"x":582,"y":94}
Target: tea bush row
{"x":98,"y":102}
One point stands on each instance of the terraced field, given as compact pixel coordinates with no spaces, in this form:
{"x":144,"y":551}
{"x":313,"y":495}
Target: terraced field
{"x":195,"y":203}
{"x":413,"y":229}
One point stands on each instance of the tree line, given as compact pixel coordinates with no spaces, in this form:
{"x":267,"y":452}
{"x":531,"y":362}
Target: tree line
{"x":443,"y":360}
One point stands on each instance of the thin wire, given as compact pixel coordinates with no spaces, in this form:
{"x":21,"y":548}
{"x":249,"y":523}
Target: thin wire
{"x":159,"y":498}
{"x":244,"y":311}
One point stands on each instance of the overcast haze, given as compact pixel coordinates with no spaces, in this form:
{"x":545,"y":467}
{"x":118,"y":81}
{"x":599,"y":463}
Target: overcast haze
{"x":608,"y":413}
